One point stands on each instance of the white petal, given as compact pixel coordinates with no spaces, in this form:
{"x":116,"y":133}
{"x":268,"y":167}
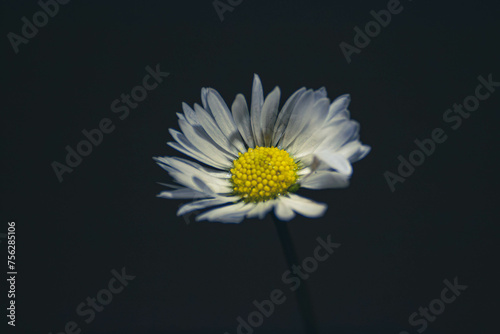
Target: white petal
{"x":230,"y":219}
{"x":342,"y":131}
{"x":268,"y":115}
{"x":255,"y":110}
{"x":169,"y":185}
{"x":189,"y":114}
{"x":335,"y":161}
{"x":298,"y":118}
{"x":202,"y":186}
{"x":242,"y":119}
{"x":204,"y":94}
{"x":304,"y":206}
{"x":325,"y":180}
{"x":210,"y":126}
{"x":185,"y":171}
{"x":312,"y":143}
{"x":195,"y":154}
{"x":343,"y":114}
{"x":211,"y":171}
{"x":182,"y":193}
{"x":284,"y":116}
{"x":363,"y":151}
{"x":202,"y":141}
{"x":180,"y":116}
{"x":233,"y":213}
{"x":283,"y":211}
{"x":316,"y":120}
{"x":261,"y":209}
{"x":207,"y":186}
{"x":185,"y":146}
{"x":224,"y":119}
{"x":338,"y":105}
{"x":320,"y":93}
{"x":354,"y":151}
{"x":202,"y":204}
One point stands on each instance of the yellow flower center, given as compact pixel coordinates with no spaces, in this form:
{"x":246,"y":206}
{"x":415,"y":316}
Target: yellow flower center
{"x":263,"y":173}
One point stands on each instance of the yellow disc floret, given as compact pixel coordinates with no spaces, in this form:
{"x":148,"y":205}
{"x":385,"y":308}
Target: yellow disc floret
{"x":263,"y":173}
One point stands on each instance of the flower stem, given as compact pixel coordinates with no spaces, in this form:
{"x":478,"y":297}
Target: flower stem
{"x":302,"y":293}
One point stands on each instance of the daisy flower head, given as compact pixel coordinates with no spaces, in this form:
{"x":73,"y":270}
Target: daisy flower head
{"x":252,"y":160}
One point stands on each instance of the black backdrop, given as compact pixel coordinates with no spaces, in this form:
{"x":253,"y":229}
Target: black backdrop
{"x":190,"y":277}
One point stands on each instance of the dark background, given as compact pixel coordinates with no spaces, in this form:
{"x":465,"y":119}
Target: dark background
{"x":397,"y":247}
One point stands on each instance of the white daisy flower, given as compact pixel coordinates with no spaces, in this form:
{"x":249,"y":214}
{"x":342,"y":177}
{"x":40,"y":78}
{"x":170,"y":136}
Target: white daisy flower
{"x":254,"y":160}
